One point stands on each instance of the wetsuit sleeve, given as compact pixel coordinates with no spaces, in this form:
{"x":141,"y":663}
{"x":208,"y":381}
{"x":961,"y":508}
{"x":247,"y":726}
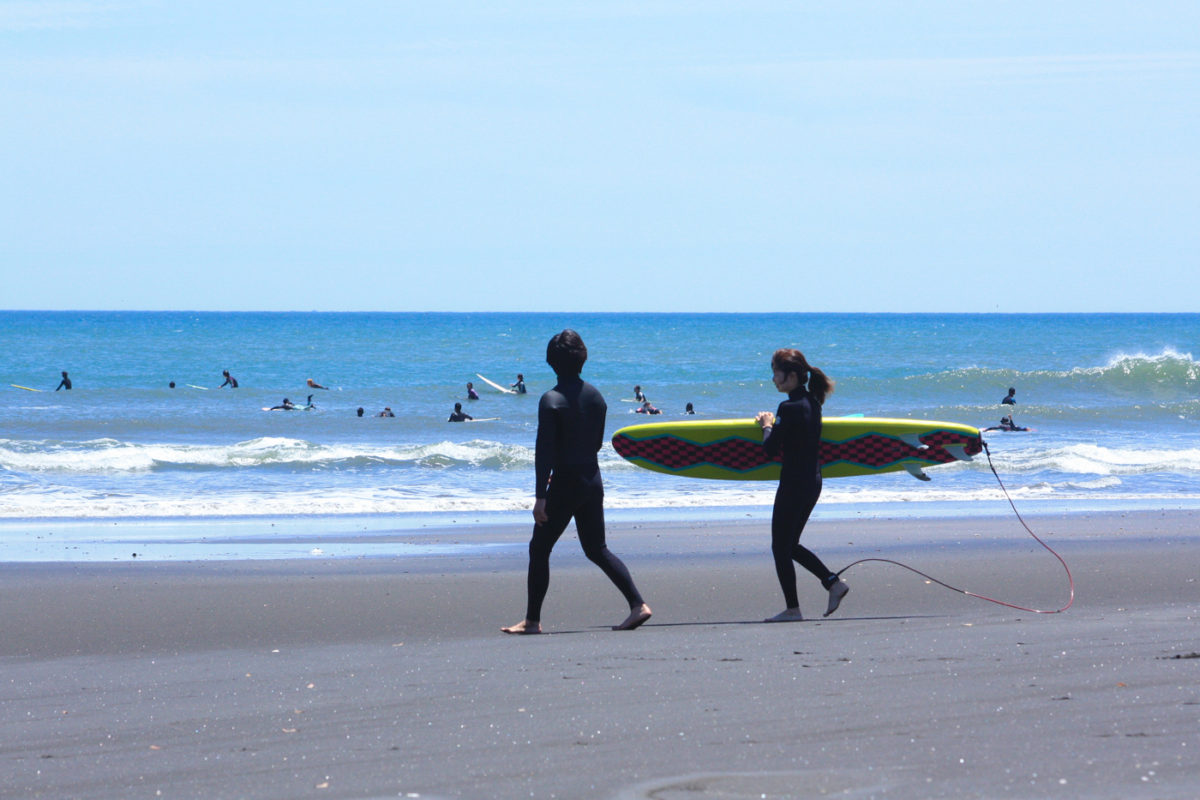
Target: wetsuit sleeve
{"x":601,"y":410}
{"x":547,"y":442}
{"x":773,"y":437}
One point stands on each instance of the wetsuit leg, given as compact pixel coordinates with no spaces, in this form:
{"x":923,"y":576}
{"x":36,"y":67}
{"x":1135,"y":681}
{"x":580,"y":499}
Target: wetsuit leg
{"x":544,"y":538}
{"x":793,"y":506}
{"x":589,"y":522}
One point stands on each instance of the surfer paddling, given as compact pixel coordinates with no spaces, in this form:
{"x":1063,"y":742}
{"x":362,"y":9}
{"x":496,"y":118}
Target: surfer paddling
{"x":795,"y":432}
{"x":568,"y":485}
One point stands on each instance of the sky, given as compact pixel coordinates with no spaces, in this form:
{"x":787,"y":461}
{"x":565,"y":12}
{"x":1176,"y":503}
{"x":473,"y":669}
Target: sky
{"x":916,"y":156}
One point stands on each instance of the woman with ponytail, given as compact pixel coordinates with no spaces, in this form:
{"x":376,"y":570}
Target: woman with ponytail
{"x":795,"y":432}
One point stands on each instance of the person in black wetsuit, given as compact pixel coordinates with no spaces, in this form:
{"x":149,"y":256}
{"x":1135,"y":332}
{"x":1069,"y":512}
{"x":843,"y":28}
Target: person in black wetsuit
{"x":1010,"y":399}
{"x":795,"y":432}
{"x":1006,"y":424}
{"x":230,"y":381}
{"x":458,"y":415}
{"x":65,"y":383}
{"x":568,"y":485}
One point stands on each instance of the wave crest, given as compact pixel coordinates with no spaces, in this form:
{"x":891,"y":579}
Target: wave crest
{"x":112,"y":456}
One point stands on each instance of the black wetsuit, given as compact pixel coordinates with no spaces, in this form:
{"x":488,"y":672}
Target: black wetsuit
{"x":571,"y":420}
{"x":65,"y":383}
{"x":797,"y":435}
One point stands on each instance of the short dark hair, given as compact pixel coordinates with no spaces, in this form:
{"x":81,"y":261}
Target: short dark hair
{"x":566,"y":353}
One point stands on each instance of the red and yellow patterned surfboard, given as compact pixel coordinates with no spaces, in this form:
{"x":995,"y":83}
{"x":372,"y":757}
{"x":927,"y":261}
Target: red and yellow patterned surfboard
{"x":731,"y":449}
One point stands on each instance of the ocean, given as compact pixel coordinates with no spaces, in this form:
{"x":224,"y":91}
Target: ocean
{"x":1113,"y":402}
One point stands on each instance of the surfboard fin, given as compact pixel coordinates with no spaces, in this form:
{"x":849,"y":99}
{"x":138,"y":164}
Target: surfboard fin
{"x":912,"y":440}
{"x":916,"y":472}
{"x":959,"y":451}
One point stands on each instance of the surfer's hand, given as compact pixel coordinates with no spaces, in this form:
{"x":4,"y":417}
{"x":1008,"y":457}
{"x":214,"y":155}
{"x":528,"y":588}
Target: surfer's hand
{"x":765,"y":419}
{"x":539,"y":511}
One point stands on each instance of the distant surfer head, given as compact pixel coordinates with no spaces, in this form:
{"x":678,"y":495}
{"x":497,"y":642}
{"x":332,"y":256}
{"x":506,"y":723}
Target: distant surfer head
{"x":788,"y":361}
{"x":566,"y":353}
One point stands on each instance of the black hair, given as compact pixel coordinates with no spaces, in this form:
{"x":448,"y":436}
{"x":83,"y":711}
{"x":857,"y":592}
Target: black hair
{"x":788,"y":360}
{"x":566,"y":353}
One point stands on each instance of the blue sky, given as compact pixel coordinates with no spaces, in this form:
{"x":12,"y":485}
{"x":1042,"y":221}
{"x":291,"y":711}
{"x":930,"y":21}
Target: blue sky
{"x":622,"y":156}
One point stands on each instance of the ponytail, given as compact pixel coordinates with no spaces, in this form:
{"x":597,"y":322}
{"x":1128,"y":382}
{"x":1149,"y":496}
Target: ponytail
{"x":820,"y":385}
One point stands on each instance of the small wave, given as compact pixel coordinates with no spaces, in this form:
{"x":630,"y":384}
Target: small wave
{"x":82,"y":504}
{"x":112,"y":456}
{"x":1161,"y":374}
{"x":1091,"y":459}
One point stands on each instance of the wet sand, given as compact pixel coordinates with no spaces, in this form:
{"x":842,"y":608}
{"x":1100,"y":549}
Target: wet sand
{"x":382,"y":677}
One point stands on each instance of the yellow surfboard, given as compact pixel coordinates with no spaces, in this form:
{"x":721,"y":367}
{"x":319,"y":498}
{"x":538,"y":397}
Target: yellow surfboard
{"x":731,"y":449}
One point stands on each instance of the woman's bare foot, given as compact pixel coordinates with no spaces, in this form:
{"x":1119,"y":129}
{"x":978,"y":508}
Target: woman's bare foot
{"x":787,"y":615}
{"x":524,"y":627}
{"x":636,"y":617}
{"x":836,"y":593}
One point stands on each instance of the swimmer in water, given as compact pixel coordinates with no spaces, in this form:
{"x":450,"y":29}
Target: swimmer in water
{"x":458,"y":415}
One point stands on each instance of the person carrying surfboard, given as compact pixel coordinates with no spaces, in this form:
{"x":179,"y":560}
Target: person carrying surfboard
{"x":567,"y":483}
{"x":794,"y":433}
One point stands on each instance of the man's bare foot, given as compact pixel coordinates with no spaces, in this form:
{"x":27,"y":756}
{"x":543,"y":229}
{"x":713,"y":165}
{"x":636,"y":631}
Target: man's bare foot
{"x":836,"y":593}
{"x":636,"y":617}
{"x":787,"y":615}
{"x":524,"y":627}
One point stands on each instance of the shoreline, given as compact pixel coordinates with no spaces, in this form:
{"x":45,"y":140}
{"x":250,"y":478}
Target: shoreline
{"x":374,"y":677}
{"x":306,"y":538}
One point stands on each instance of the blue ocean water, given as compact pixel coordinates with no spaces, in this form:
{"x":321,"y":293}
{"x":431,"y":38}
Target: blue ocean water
{"x":1113,"y":401}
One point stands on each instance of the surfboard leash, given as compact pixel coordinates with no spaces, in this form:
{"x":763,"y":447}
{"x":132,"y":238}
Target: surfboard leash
{"x":1003,"y":488}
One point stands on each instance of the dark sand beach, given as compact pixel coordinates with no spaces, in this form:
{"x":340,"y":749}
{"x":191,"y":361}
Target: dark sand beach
{"x":388,"y":677}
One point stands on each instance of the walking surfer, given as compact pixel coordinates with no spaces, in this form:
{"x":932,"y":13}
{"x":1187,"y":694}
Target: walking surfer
{"x":568,"y":485}
{"x":795,"y":432}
